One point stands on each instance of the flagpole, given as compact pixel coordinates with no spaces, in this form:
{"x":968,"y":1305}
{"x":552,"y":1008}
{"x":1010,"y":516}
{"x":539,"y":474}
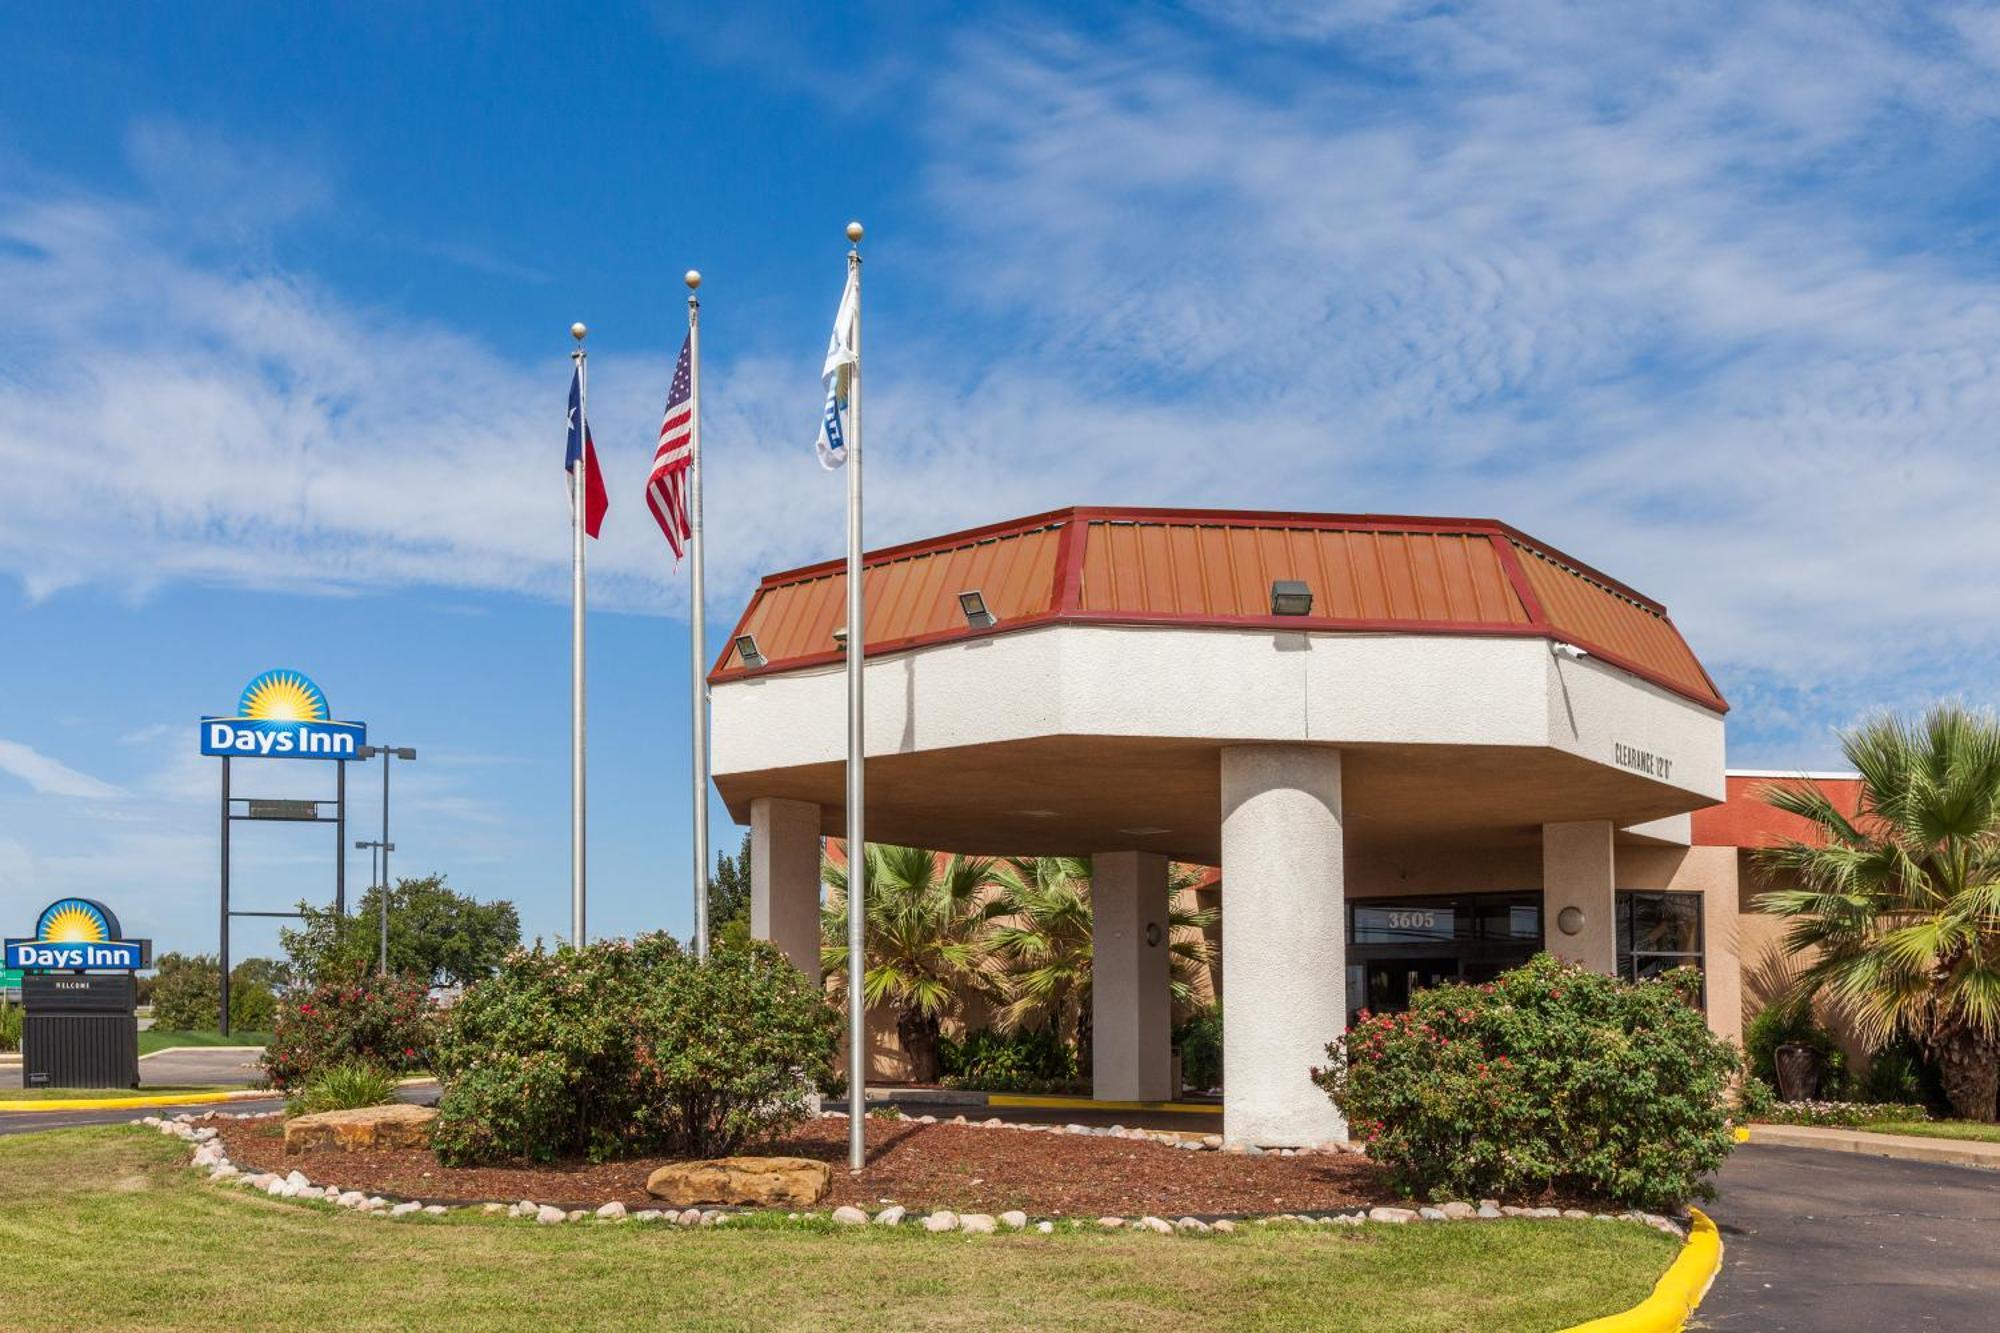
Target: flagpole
{"x":857,"y":845}
{"x":697,"y":650}
{"x":578,"y":500}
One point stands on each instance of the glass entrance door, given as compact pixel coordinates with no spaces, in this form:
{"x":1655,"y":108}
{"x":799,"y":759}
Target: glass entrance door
{"x":1399,"y":945}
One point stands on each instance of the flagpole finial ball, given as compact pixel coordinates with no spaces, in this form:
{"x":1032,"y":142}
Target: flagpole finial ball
{"x":577,"y":331}
{"x":854,"y":232}
{"x":692,"y":278}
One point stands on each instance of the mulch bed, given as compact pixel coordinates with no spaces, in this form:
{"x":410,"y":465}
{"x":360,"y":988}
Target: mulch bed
{"x":965,"y":1167}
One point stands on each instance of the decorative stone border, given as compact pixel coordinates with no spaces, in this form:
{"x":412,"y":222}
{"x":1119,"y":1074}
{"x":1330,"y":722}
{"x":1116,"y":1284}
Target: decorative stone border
{"x":210,"y":1157}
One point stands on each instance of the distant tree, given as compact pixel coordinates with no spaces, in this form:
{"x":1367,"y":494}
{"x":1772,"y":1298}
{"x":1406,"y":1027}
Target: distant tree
{"x":187,"y":993}
{"x":435,"y":933}
{"x":729,"y":897}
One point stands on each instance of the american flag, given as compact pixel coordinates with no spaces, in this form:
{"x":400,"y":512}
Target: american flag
{"x":666,"y":488}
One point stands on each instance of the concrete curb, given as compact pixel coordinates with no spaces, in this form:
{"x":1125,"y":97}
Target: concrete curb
{"x":223,"y":1050}
{"x":1679,"y":1290}
{"x":1902,"y":1147}
{"x":136,"y":1102}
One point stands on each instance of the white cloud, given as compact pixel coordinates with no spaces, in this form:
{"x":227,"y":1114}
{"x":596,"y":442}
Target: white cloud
{"x":51,"y":777}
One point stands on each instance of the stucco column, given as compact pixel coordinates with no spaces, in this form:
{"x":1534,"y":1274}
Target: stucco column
{"x":1131,"y":1008}
{"x":1579,"y":869}
{"x":784,"y":878}
{"x":1284,"y":941}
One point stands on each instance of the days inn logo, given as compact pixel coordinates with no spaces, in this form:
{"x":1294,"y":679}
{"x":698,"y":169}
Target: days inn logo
{"x":78,"y":934}
{"x":283,"y":715}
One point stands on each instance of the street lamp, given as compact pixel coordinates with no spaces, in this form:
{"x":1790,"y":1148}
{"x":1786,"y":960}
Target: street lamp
{"x":366,"y":752}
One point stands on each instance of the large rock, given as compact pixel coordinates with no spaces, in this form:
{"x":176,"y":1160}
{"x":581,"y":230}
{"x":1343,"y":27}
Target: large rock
{"x":365,"y":1130}
{"x":765,"y":1182}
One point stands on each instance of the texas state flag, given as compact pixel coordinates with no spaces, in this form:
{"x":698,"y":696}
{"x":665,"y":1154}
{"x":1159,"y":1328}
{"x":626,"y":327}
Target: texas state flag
{"x":595,"y":498}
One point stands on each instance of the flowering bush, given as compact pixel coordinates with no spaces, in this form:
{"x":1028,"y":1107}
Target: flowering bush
{"x":1031,"y":1060}
{"x":627,"y":1047}
{"x":386,"y":1022}
{"x":1840,"y":1115}
{"x":1549,"y":1078}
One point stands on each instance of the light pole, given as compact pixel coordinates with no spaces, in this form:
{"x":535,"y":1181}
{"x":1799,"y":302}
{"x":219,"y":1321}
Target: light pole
{"x":367,"y":752}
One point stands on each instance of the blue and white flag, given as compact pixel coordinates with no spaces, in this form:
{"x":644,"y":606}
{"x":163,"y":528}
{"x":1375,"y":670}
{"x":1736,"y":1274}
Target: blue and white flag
{"x":838,"y":375}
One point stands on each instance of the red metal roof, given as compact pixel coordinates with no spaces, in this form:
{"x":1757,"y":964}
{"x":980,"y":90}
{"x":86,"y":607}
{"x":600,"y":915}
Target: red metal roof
{"x":1368,"y":573}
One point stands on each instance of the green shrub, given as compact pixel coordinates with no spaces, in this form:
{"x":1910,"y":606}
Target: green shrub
{"x":1550,"y":1078}
{"x":1791,"y":1025}
{"x":347,"y":1086}
{"x":1901,"y":1072}
{"x":1030,"y":1060}
{"x":629,"y":1047}
{"x":10,"y":1026}
{"x":1200,"y":1041}
{"x":1754,"y":1099}
{"x":386,"y":1022}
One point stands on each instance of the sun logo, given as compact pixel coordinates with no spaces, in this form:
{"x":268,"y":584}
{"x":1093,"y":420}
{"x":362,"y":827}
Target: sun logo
{"x":283,"y":696}
{"x":73,"y":921}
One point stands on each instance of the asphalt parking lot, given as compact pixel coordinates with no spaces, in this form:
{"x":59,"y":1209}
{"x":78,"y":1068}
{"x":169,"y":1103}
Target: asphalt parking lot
{"x":1823,"y":1242}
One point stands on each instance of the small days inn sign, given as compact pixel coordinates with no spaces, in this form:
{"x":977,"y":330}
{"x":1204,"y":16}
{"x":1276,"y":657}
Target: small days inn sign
{"x":282,"y":715}
{"x":78,"y":935}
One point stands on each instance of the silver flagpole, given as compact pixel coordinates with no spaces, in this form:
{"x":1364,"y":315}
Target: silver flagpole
{"x":697,"y":651}
{"x":857,"y":844}
{"x":578,"y":498}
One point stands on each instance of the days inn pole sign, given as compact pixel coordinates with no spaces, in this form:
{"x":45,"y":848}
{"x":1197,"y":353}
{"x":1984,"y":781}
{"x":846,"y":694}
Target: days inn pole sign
{"x":283,"y":715}
{"x":78,"y":935}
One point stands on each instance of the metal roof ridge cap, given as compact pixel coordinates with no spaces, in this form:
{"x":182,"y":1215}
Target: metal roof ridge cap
{"x":922,"y":545}
{"x":1556,"y":554}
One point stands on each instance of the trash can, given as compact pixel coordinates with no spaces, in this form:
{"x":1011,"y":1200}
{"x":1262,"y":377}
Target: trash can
{"x":80,"y":1030}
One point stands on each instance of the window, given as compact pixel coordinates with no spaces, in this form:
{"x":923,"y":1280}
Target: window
{"x":1658,"y":932}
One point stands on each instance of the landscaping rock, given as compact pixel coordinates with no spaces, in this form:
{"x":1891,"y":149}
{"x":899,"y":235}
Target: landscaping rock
{"x":765,"y":1182}
{"x":491,"y":1209}
{"x":575,"y":1215}
{"x":522,"y":1209}
{"x":850,"y":1216}
{"x":1431,"y":1214}
{"x":548,"y":1215}
{"x":1013,"y":1219}
{"x":891,"y":1216}
{"x":352,"y":1199}
{"x":1155,"y":1224}
{"x":979,"y":1224}
{"x":1189,"y":1224}
{"x":1224,"y":1225}
{"x":1045,"y":1227}
{"x":688,"y":1217}
{"x":370,"y":1129}
{"x":434,"y":1210}
{"x":648,"y":1215}
{"x":1458,"y":1212}
{"x":1393,"y":1215}
{"x":1575,"y":1215}
{"x":613,"y":1211}
{"x":1488,"y":1209}
{"x":942,"y":1220}
{"x":405,"y":1209}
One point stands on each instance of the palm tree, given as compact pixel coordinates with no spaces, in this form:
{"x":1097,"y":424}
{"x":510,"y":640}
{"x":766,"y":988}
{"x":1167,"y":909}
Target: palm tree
{"x":1042,"y":942}
{"x":1900,"y":905}
{"x":927,"y":945}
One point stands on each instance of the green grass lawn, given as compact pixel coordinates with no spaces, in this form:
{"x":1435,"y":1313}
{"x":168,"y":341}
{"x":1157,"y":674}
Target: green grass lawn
{"x":8,"y":1094}
{"x":154,"y":1039}
{"x":107,"y":1228}
{"x":1939,"y":1129}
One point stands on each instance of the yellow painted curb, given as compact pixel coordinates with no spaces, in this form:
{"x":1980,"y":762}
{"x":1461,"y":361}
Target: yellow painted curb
{"x":137,"y":1103}
{"x":1742,"y":1133}
{"x":1678,"y":1291}
{"x":1087,"y":1104}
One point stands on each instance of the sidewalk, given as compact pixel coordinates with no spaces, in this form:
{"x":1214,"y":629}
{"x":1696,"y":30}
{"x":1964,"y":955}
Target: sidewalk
{"x":1903,"y":1147}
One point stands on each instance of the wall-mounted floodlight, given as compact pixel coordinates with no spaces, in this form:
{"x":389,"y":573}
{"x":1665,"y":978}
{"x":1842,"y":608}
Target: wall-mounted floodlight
{"x":973,"y":603}
{"x":1569,"y":650}
{"x":1291,"y":597}
{"x":840,"y":634}
{"x":746,"y":648}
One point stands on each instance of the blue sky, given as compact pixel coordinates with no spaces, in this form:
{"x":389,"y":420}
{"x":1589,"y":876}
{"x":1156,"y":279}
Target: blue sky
{"x":1706,"y":294}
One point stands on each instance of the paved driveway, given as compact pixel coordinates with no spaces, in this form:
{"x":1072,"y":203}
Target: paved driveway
{"x":1816,"y":1242}
{"x":199,"y":1066}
